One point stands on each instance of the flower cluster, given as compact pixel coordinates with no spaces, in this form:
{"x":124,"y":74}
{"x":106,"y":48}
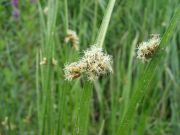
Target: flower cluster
{"x":73,"y":70}
{"x":44,"y":61}
{"x":93,"y":64}
{"x":73,"y":38}
{"x":147,"y":49}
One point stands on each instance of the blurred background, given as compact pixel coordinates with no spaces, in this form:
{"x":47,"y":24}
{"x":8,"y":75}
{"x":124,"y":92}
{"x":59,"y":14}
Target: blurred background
{"x":132,"y":22}
{"x":19,"y":41}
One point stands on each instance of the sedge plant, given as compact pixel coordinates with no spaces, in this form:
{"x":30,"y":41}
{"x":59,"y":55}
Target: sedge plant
{"x":146,"y":76}
{"x":51,"y":121}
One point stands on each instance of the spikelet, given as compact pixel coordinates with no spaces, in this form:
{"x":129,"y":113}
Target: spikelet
{"x":93,"y":64}
{"x":43,"y":61}
{"x":72,"y":70}
{"x":73,"y":38}
{"x":46,"y":9}
{"x":147,"y":49}
{"x":7,"y":124}
{"x":98,"y":62}
{"x":54,"y":62}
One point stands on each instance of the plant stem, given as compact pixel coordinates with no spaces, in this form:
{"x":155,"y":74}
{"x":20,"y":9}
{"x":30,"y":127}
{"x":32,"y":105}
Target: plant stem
{"x":105,"y":23}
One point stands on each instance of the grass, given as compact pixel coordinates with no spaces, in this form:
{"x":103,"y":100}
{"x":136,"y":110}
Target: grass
{"x":146,"y":77}
{"x":137,"y":99}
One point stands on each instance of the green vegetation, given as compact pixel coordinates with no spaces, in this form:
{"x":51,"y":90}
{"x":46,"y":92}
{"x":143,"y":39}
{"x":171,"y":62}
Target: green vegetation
{"x":138,"y":98}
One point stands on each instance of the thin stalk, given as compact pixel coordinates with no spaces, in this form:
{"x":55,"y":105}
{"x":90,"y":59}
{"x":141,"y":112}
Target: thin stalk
{"x":101,"y":128}
{"x":61,"y":106}
{"x":95,"y":20}
{"x":37,"y":91}
{"x":127,"y":87}
{"x":66,"y":16}
{"x":85,"y":109}
{"x":47,"y":120}
{"x":105,"y":23}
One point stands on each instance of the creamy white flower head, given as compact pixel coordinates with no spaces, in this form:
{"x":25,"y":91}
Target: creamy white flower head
{"x":72,"y":70}
{"x":147,"y":49}
{"x":73,"y":38}
{"x":98,"y":62}
{"x":93,"y":64}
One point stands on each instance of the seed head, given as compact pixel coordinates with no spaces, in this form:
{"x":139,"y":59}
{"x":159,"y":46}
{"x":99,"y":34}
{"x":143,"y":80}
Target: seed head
{"x":147,"y":49}
{"x":73,"y":38}
{"x":97,"y":62}
{"x":93,"y":64}
{"x":72,"y":71}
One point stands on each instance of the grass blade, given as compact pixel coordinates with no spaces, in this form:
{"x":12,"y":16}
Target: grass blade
{"x":105,"y":23}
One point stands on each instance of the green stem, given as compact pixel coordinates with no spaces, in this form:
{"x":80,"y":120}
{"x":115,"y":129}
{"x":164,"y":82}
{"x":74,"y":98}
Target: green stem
{"x":85,"y":109}
{"x":66,"y":15}
{"x":95,"y":20}
{"x":105,"y":23}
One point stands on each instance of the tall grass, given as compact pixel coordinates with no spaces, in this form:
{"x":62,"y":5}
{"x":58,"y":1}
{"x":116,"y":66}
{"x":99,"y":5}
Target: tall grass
{"x":145,"y":79}
{"x":55,"y":120}
{"x":81,"y":109}
{"x":48,"y":123}
{"x":136,"y":99}
{"x":46,"y":100}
